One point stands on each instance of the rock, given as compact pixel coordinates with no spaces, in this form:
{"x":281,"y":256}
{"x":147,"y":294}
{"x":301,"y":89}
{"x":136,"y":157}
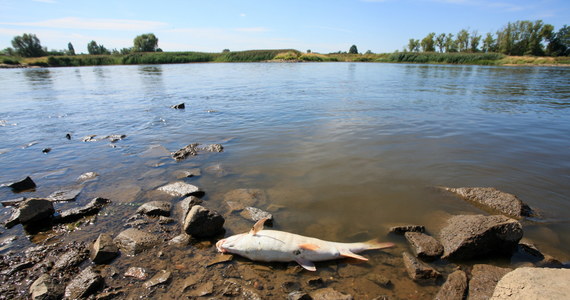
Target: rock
{"x":221,"y":258}
{"x":239,"y":199}
{"x":22,"y":185}
{"x":329,"y":294}
{"x":216,"y":170}
{"x":250,"y":294}
{"x":471,"y":236}
{"x":89,"y":138}
{"x":214,"y":148}
{"x":68,"y":136}
{"x":13,"y":202}
{"x":201,"y":222}
{"x":533,"y":283}
{"x":178,"y":106}
{"x":155,"y":208}
{"x":454,"y":287}
{"x":495,"y":200}
{"x":188,"y":150}
{"x":231,"y":288}
{"x":84,"y":284}
{"x":133,"y":241}
{"x":14,"y":219}
{"x":161,"y":277}
{"x":103,"y":250}
{"x":379,"y":279}
{"x":45,"y":288}
{"x":407,"y":228}
{"x":180,"y":240}
{"x":64,"y":195}
{"x":186,"y":204}
{"x":77,"y":213}
{"x":315,"y":282}
{"x":87,"y":176}
{"x":36,"y":212}
{"x":71,"y":258}
{"x":195,"y":172}
{"x":115,"y":137}
{"x":483,"y":280}
{"x":418,"y":270}
{"x":424,"y":246}
{"x":204,"y":289}
{"x":46,"y":150}
{"x":165,"y":220}
{"x":256,"y":214}
{"x":136,"y":272}
{"x":298,"y":295}
{"x":181,"y":189}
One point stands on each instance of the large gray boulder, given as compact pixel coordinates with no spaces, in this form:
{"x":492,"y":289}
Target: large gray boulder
{"x":483,"y":280}
{"x":454,"y":287}
{"x":471,"y":236}
{"x":133,"y":241}
{"x":202,"y":222}
{"x":494,"y":200}
{"x":533,"y":283}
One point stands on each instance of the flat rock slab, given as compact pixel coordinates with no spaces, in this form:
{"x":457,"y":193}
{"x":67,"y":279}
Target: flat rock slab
{"x":454,"y":287}
{"x":418,"y":270}
{"x":494,"y":200}
{"x":155,"y":208}
{"x":64,"y":195}
{"x":84,"y":284}
{"x":91,"y":208}
{"x":484,"y":278}
{"x":329,"y":294}
{"x":162,"y":277}
{"x":133,"y":241}
{"x":533,"y":283}
{"x":424,"y":246}
{"x":181,"y":189}
{"x":471,"y":236}
{"x":239,"y":199}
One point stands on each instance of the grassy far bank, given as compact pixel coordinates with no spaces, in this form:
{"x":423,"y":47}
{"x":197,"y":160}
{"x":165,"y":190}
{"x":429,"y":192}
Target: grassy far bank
{"x":282,"y":55}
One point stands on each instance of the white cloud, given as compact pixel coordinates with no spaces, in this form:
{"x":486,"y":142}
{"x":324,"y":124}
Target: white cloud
{"x":94,"y":24}
{"x":242,"y":15}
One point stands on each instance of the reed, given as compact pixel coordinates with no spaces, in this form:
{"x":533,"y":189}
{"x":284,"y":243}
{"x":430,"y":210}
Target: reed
{"x":444,"y":58}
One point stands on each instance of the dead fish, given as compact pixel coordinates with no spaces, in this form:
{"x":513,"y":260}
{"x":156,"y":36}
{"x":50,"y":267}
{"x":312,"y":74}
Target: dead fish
{"x":274,"y":245}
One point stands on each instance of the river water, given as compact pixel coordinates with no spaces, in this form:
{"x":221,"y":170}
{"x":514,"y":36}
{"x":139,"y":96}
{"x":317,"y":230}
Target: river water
{"x":347,"y":149}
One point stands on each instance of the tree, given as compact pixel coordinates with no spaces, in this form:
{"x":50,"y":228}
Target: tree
{"x":440,"y":42}
{"x":28,"y":45}
{"x":462,"y":40}
{"x":353,"y":50}
{"x":414,"y":45}
{"x":489,"y":43}
{"x":559,"y":43}
{"x":145,"y":43}
{"x":125,"y":51}
{"x":95,"y":49}
{"x":427,"y":43}
{"x":474,"y":41}
{"x":70,"y":49}
{"x":450,"y":43}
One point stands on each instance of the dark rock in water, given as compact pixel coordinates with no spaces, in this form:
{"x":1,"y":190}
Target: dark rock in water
{"x":115,"y":137}
{"x":64,"y":195}
{"x":155,"y":208}
{"x":329,"y":294}
{"x":13,"y":202}
{"x":289,"y":286}
{"x":483,"y":280}
{"x":13,"y":220}
{"x":77,"y":213}
{"x":255,"y":214}
{"x":133,"y":241}
{"x":181,"y":189}
{"x":214,"y":148}
{"x":407,"y":228}
{"x":298,"y":295}
{"x":36,"y":211}
{"x":418,"y":270}
{"x":71,"y":258}
{"x":189,"y":150}
{"x":201,"y":222}
{"x":83,"y":285}
{"x":178,"y":106}
{"x":454,"y":287}
{"x":161,"y":277}
{"x":495,"y":200}
{"x":45,"y":288}
{"x":103,"y":250}
{"x":424,"y":246}
{"x":470,"y":236}
{"x":22,"y":185}
{"x":46,"y":150}
{"x":68,"y":136}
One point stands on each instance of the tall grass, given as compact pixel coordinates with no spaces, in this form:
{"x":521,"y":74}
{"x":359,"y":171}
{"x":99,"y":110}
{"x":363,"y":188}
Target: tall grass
{"x":448,"y":58}
{"x":253,"y":55}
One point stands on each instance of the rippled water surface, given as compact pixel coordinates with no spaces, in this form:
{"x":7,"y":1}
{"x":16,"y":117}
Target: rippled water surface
{"x":345,"y":148}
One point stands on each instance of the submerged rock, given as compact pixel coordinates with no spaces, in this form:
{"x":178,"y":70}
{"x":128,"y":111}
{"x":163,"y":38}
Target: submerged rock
{"x":533,"y":283}
{"x":181,"y":189}
{"x":87,"y":176}
{"x":77,"y":213}
{"x":155,"y":208}
{"x":161,"y":277}
{"x":424,"y":246}
{"x":214,"y":148}
{"x":133,"y":241}
{"x":493,"y":199}
{"x":255,"y":214}
{"x":483,"y":280}
{"x":103,"y":250}
{"x":178,"y":106}
{"x":202,"y":222}
{"x":328,"y":294}
{"x":22,"y":185}
{"x":64,"y":195}
{"x":239,"y":199}
{"x":454,"y":287}
{"x":407,"y":228}
{"x":471,"y":236}
{"x":189,"y":150}
{"x":418,"y":270}
{"x":83,"y":285}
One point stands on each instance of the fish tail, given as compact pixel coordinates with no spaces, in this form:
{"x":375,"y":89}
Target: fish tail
{"x":376,"y":244}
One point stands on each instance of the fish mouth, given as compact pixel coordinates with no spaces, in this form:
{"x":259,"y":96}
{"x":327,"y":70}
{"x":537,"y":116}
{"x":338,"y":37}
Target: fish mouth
{"x":219,"y":246}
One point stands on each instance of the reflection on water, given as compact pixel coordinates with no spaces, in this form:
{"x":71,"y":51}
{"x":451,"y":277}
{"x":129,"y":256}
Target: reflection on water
{"x":343,"y":148}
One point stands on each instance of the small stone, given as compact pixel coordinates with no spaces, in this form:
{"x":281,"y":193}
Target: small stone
{"x":178,"y":106}
{"x":195,"y":172}
{"x":22,"y":185}
{"x":495,"y":200}
{"x":424,"y":246}
{"x":202,"y":222}
{"x":418,"y":270}
{"x":186,"y":204}
{"x":71,"y":258}
{"x":64,"y":195}
{"x":165,"y":220}
{"x":204,"y":289}
{"x":136,"y":272}
{"x":88,"y":209}
{"x":87,"y":176}
{"x":161,"y":277}
{"x":155,"y":208}
{"x":221,"y":258}
{"x":84,"y":284}
{"x":180,"y":240}
{"x":407,"y":228}
{"x":115,"y":137}
{"x":188,"y":150}
{"x":46,"y":150}
{"x":290,"y":286}
{"x":103,"y":250}
{"x":133,"y":241}
{"x":181,"y":189}
{"x":214,"y":148}
{"x":13,"y":202}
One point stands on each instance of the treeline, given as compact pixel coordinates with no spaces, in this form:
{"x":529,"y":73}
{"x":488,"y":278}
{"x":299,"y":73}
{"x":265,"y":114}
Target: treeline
{"x":518,"y":38}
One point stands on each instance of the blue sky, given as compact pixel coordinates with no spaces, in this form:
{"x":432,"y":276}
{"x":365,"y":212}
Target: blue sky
{"x":214,"y":25}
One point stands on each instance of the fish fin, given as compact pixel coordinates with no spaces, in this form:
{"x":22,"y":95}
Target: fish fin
{"x":309,"y":246}
{"x":347,"y":253}
{"x":306,"y":264}
{"x":375,"y":244}
{"x":258,"y":226}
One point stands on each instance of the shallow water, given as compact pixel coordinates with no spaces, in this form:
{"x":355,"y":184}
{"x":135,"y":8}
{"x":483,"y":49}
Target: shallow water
{"x":348,"y":149}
